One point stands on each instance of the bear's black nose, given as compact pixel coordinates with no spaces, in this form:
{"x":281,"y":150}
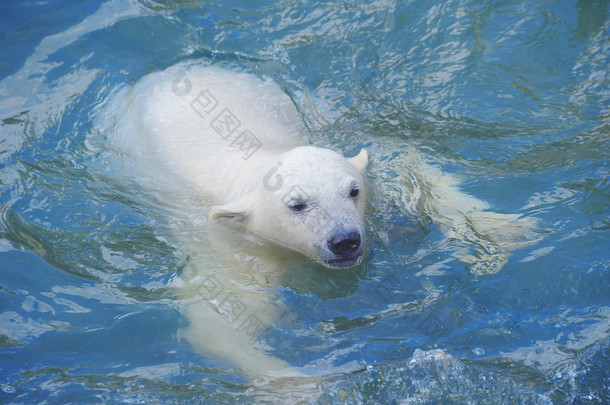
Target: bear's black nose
{"x":344,"y":242}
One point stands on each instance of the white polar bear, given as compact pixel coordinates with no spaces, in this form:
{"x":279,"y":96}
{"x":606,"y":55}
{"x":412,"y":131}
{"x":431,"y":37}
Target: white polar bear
{"x":238,"y":140}
{"x":239,"y":143}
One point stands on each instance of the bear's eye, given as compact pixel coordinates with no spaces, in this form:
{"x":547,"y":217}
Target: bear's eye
{"x":354,"y":192}
{"x":297,"y":206}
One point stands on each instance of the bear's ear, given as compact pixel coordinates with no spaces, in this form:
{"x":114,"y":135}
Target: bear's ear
{"x":360,"y":161}
{"x":235,"y":211}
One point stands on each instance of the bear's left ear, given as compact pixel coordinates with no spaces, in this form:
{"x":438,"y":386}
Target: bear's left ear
{"x":360,"y":161}
{"x":237,"y":211}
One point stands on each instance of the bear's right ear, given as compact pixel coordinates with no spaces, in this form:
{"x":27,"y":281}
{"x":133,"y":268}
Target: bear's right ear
{"x":360,"y":161}
{"x":236,"y":211}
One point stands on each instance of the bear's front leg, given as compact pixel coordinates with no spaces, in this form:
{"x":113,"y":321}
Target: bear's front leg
{"x":227,"y":322}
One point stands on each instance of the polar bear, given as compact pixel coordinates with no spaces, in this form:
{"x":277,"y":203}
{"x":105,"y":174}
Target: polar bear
{"x":238,"y":143}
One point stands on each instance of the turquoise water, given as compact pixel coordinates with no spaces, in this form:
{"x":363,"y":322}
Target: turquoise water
{"x":512,"y":96}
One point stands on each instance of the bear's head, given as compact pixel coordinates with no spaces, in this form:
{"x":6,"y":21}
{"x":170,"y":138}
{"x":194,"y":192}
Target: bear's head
{"x":308,"y":199}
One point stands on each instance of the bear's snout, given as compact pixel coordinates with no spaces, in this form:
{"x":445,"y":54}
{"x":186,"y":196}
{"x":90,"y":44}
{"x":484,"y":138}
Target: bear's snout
{"x":344,"y":243}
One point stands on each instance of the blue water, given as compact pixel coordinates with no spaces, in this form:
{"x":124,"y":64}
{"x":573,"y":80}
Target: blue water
{"x":512,"y":96}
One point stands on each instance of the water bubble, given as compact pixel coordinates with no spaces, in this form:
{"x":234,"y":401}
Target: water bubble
{"x":8,"y":388}
{"x":479,"y":351}
{"x":280,"y":54}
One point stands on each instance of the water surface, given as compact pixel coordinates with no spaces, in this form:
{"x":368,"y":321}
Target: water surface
{"x":513,"y":97}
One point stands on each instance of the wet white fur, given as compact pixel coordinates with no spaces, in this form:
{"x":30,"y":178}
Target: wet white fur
{"x":158,"y":128}
{"x":163,"y":120}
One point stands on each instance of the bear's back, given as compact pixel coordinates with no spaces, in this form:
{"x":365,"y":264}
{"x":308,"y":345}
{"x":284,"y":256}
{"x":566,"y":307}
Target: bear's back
{"x":210,"y":124}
